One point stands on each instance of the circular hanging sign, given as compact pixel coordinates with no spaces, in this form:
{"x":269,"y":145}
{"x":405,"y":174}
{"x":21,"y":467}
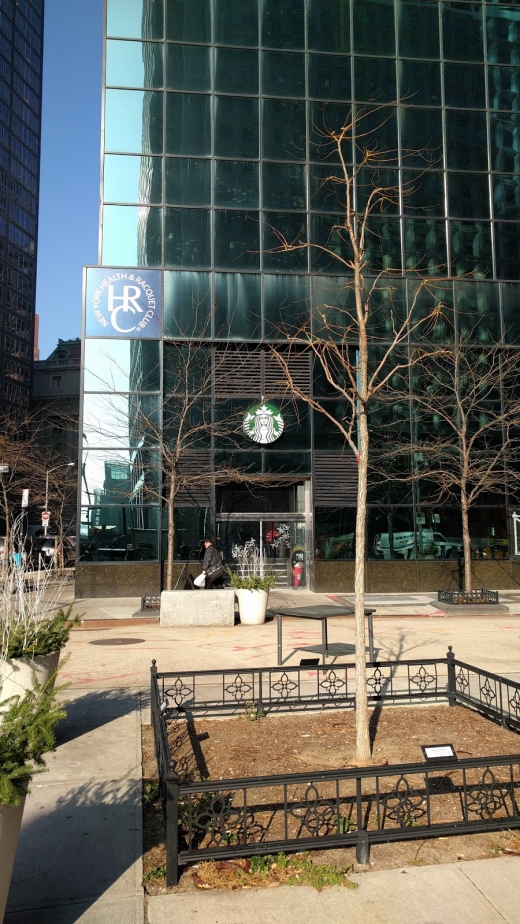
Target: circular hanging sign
{"x":263,"y":423}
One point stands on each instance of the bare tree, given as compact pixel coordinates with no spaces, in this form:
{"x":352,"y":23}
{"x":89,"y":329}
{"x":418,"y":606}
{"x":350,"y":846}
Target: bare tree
{"x":342,"y":338}
{"x":18,"y":472}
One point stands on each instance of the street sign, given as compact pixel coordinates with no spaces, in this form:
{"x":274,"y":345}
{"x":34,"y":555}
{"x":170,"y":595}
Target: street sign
{"x":45,"y":516}
{"x":4,"y":469}
{"x":25,"y":497}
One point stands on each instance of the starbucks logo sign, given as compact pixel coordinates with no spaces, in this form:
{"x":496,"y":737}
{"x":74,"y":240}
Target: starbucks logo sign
{"x":263,"y":424}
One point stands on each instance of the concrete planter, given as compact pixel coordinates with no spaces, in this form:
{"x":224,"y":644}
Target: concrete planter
{"x":197,"y":608}
{"x":252,"y":605}
{"x":10,"y":824}
{"x":17,"y":673}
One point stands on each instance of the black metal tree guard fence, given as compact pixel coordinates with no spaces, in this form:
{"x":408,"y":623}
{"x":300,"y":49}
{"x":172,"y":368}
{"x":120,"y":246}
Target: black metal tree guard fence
{"x":218,"y":819}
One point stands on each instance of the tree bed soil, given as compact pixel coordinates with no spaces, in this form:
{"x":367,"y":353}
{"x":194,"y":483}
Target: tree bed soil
{"x":250,"y":746}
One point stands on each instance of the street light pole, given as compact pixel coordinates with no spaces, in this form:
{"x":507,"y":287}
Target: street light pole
{"x":47,"y":473}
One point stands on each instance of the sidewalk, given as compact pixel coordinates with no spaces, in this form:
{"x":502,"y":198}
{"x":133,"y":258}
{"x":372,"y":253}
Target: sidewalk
{"x":80,"y":847}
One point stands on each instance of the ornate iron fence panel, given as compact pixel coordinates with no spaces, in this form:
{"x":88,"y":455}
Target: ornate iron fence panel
{"x":495,"y":696}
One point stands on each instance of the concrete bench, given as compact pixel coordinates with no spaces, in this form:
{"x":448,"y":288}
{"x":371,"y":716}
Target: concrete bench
{"x":197,"y":608}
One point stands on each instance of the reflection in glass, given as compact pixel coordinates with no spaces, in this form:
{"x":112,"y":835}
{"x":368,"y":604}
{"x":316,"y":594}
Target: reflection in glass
{"x":283,"y":24}
{"x":132,"y":235}
{"x":421,"y":136}
{"x":468,"y":195}
{"x":236,"y":70}
{"x":462,"y":31}
{"x":120,"y":421}
{"x":503,"y":35}
{"x":188,"y":20}
{"x":187,"y":368}
{"x":467,"y":140}
{"x":236,"y":23}
{"x":188,"y":124}
{"x":237,"y":239}
{"x":283,"y":74}
{"x":505,"y":142}
{"x":506,"y":196}
{"x":188,"y":181}
{"x":329,"y":77}
{"x":329,"y":25}
{"x":335,"y":532}
{"x":425,"y":245}
{"x":123,"y":476}
{"x":192,"y":525}
{"x":120,"y":534}
{"x":507,"y":249}
{"x":478,"y":315}
{"x":132,"y":179}
{"x":134,"y":121}
{"x":236,"y":127}
{"x":471,"y":248}
{"x":418,"y":29}
{"x":504,"y":88}
{"x":326,"y":194}
{"x":464,"y":85}
{"x":187,"y":238}
{"x":237,"y":306}
{"x":134,"y":64}
{"x":286,"y":303}
{"x":423,"y":190}
{"x":511,"y":315}
{"x":187,"y":300}
{"x":326,"y":233}
{"x":374,"y":27}
{"x":236,"y":183}
{"x":284,"y":226}
{"x":283,"y":186}
{"x":122,"y":365}
{"x":283,"y":129}
{"x":135,"y":18}
{"x":188,"y":67}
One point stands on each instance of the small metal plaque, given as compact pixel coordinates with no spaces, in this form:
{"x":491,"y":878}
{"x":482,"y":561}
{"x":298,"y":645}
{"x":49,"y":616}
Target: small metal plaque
{"x":439,"y":752}
{"x":309,"y":662}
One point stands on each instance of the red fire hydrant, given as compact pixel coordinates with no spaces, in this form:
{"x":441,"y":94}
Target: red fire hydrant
{"x":297,"y":574}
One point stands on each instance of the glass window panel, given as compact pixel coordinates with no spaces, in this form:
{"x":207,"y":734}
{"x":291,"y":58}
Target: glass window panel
{"x":187,"y":368}
{"x":418,"y":29}
{"x":375,"y":80}
{"x":378,"y":128}
{"x":468,"y":195}
{"x":191,"y":527}
{"x":329,"y":25}
{"x":503,"y":35}
{"x":194,"y":418}
{"x":507,"y":249}
{"x":335,"y":530}
{"x":188,"y":67}
{"x":421,"y":137}
{"x":383,"y":250}
{"x":368,"y":179}
{"x":326,"y":233}
{"x":423,"y":191}
{"x":287,"y":463}
{"x":283,"y":186}
{"x":236,"y":23}
{"x":329,"y":77}
{"x":122,"y":365}
{"x":428,"y":298}
{"x":464,"y":86}
{"x":506,"y":196}
{"x":238,"y":302}
{"x":327,"y":435}
{"x":283,"y":129}
{"x":420,"y":83}
{"x":327,"y":195}
{"x":283,"y":23}
{"x":478,"y":314}
{"x":121,"y":476}
{"x":135,"y":18}
{"x":510,"y":312}
{"x":236,"y":70}
{"x":188,"y":124}
{"x":326,"y":119}
{"x":187,"y":302}
{"x":132,"y":235}
{"x":236,"y":183}
{"x":236,"y":127}
{"x":470,"y":248}
{"x":283,"y":74}
{"x":188,"y":20}
{"x":119,"y":421}
{"x":188,"y":181}
{"x":387,"y":303}
{"x":134,"y":64}
{"x":505,"y":142}
{"x":374,"y":27}
{"x":292,"y":227}
{"x":391,"y":534}
{"x":286,"y":302}
{"x":132,"y":179}
{"x":187,"y":238}
{"x":134,"y":121}
{"x":119,"y":534}
{"x":462,"y":31}
{"x":467,"y":140}
{"x":504,"y":88}
{"x":237,"y":240}
{"x":425,"y":245}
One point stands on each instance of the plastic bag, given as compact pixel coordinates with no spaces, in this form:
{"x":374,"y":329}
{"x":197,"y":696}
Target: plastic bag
{"x":200,"y":580}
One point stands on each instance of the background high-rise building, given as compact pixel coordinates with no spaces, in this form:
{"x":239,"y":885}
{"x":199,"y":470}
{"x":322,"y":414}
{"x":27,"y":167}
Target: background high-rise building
{"x":214,"y":113}
{"x":21,"y":46}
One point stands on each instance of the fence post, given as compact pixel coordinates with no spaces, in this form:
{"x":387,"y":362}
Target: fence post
{"x":172,"y":828}
{"x":363,"y":845}
{"x":452,"y":684}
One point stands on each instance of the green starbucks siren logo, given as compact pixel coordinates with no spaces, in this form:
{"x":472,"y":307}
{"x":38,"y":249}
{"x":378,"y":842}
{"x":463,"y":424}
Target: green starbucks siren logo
{"x":263,"y":423}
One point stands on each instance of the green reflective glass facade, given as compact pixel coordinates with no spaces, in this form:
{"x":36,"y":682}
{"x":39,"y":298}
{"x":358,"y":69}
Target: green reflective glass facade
{"x":213,"y":140}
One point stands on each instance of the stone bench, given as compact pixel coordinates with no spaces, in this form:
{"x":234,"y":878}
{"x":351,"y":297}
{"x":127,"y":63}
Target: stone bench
{"x":197,"y":607}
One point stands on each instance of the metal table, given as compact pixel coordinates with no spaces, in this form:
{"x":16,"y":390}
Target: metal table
{"x":322,"y":613}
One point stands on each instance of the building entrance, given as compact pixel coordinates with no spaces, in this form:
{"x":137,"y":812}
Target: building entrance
{"x":281,"y":539}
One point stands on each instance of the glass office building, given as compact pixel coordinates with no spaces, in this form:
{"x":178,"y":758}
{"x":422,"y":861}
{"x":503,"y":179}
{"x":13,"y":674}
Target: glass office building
{"x":213,"y":139}
{"x":21,"y":47}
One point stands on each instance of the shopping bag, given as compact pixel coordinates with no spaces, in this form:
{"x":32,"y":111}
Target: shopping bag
{"x":200,"y":580}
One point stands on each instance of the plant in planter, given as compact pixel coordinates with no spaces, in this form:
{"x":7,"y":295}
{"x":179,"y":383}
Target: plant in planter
{"x":26,"y":732}
{"x":252,"y":582}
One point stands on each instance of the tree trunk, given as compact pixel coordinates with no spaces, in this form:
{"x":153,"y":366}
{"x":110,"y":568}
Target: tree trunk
{"x":170,"y":555}
{"x":466,"y":542}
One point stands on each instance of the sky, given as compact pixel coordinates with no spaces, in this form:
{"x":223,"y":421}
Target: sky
{"x":69,"y":181}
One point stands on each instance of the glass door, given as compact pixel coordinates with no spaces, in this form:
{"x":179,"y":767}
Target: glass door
{"x":280,"y":540}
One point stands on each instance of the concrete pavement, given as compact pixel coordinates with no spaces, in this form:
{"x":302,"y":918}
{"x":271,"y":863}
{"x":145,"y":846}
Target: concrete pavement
{"x":79,"y":852}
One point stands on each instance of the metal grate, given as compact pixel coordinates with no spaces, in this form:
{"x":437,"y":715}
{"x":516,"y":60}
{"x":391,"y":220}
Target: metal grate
{"x":195,"y":468}
{"x":471,"y":596}
{"x":255,"y":372}
{"x":335,"y":479}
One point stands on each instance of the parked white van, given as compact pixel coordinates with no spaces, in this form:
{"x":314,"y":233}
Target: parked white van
{"x":433,"y":543}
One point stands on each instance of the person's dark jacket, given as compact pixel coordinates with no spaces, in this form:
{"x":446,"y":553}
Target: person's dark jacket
{"x":212,"y":560}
